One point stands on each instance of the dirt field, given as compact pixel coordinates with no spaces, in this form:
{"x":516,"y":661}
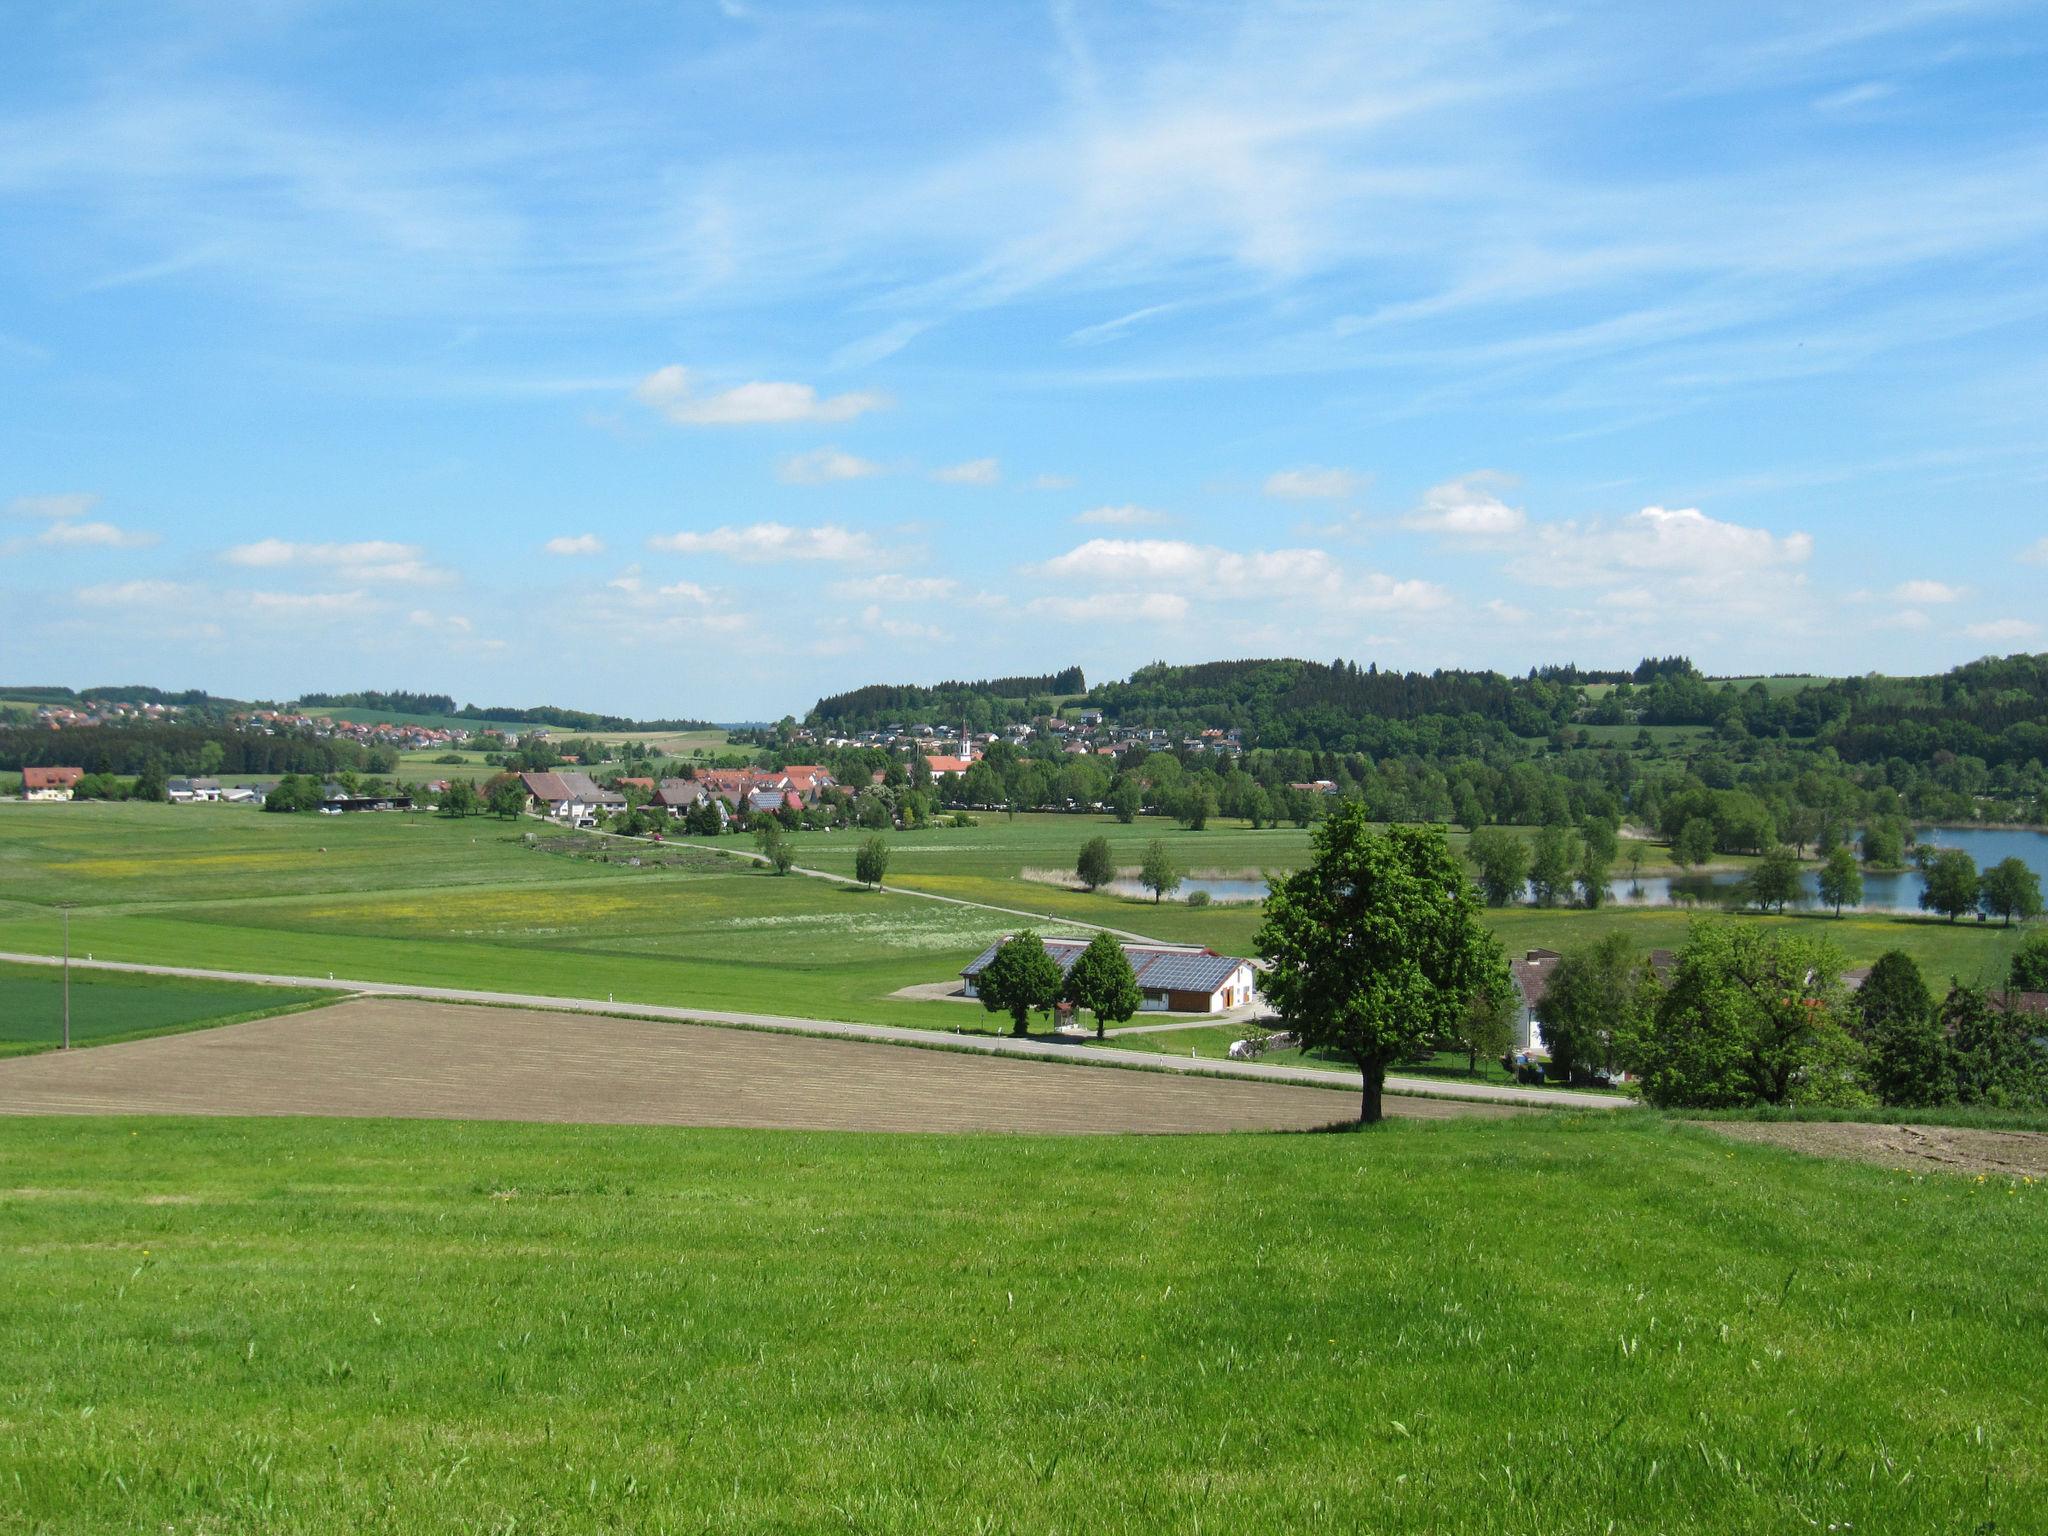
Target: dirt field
{"x":388,"y":1056}
{"x":1917,"y":1148}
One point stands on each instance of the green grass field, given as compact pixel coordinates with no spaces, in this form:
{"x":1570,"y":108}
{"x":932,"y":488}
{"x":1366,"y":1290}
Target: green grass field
{"x":469,"y":903}
{"x":108,"y":1005}
{"x":330,"y":1326}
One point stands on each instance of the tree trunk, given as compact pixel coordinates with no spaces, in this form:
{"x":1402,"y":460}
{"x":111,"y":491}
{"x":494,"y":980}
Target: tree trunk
{"x":1375,"y":1075}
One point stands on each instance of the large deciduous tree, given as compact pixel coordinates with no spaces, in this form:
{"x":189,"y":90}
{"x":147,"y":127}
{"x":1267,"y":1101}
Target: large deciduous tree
{"x":1596,"y":1002}
{"x":1502,"y":860}
{"x":871,"y":861}
{"x":1161,"y":872}
{"x":1096,"y":866}
{"x":1951,"y":883}
{"x":1841,"y":881}
{"x":2010,"y":889}
{"x":1909,"y":1052}
{"x":2029,"y":970}
{"x":1022,"y":976}
{"x":1751,"y":1016}
{"x":1774,"y":880}
{"x":1376,"y":945}
{"x":1102,"y":981}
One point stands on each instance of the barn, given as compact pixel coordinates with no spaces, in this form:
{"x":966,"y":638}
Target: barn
{"x":1173,"y":978}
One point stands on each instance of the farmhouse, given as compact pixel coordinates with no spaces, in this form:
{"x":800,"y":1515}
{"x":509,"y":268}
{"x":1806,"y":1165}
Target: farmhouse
{"x":568,"y":796}
{"x":49,"y":783}
{"x":188,"y":791}
{"x":1172,"y":979}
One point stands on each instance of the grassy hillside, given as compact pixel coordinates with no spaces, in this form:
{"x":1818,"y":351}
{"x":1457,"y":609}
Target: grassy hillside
{"x":324,"y":1326}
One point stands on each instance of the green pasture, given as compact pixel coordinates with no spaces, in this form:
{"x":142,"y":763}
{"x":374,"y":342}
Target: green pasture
{"x":469,"y":903}
{"x":335,"y":1326}
{"x":109,"y":1005}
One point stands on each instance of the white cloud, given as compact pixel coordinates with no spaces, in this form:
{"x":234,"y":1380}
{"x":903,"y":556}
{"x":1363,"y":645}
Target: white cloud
{"x":686,"y":591}
{"x":426,"y":618}
{"x":575,"y":544}
{"x":893,"y":588}
{"x":133,"y":594}
{"x":668,"y":390}
{"x":1179,"y":567}
{"x":65,"y":506}
{"x":973,"y":472}
{"x":1926,"y":592}
{"x":376,"y":561}
{"x":1313,"y":482}
{"x":1693,"y":556}
{"x":1468,"y":506}
{"x":762,"y":543}
{"x":2036,"y":553}
{"x":900,"y":629}
{"x":2002,"y":630}
{"x":1122,"y":517}
{"x":1507,"y":612}
{"x":310,"y":604}
{"x":1111,"y":607}
{"x":822,"y":466}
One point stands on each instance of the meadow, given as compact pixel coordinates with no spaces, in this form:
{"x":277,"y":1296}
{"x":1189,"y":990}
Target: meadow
{"x":110,"y":1005}
{"x":323,"y":1326}
{"x":471,"y":903}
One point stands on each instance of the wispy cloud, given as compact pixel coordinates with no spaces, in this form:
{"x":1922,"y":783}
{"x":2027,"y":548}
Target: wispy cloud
{"x":372,"y":561}
{"x":824,"y":466}
{"x":670,"y":392}
{"x":1314,"y":483}
{"x":771,"y":543}
{"x":1126,"y":516}
{"x":575,"y":544}
{"x":973,"y":472}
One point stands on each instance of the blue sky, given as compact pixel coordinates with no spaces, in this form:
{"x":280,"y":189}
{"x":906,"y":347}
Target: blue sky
{"x":698,"y":359}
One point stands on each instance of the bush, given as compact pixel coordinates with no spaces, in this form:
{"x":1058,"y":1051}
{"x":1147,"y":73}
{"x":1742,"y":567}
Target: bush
{"x":1198,"y":898}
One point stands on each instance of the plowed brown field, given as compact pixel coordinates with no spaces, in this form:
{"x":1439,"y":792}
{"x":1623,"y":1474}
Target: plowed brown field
{"x":395,"y":1057}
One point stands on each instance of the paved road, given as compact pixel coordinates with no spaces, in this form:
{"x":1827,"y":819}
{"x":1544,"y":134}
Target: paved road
{"x":993,"y":1045}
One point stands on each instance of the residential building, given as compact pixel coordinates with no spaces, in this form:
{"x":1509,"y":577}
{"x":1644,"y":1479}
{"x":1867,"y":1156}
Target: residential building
{"x":49,"y":783}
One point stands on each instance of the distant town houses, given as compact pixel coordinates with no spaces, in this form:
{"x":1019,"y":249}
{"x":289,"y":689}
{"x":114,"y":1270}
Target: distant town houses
{"x":89,"y":712}
{"x":1087,"y":733}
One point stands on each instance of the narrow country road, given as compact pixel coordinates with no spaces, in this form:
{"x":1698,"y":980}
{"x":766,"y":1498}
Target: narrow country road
{"x":889,"y":1034}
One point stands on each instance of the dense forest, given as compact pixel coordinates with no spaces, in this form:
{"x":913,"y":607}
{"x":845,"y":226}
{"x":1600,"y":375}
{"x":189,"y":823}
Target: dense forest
{"x":982,"y":705}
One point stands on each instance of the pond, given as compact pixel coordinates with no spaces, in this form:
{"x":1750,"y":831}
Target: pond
{"x":1222,"y":889}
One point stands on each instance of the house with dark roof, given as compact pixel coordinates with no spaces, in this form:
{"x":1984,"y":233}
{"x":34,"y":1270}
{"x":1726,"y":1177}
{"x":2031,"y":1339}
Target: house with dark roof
{"x":49,"y":783}
{"x":1173,"y":978}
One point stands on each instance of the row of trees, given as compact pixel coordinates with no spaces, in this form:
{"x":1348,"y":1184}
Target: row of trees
{"x":1750,"y":1017}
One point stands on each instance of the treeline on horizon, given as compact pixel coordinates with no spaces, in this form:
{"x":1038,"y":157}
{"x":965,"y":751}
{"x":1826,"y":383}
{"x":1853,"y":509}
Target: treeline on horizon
{"x":393,"y":702}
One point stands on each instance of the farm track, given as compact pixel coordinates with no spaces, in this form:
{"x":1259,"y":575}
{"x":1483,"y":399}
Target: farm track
{"x":408,"y":1059}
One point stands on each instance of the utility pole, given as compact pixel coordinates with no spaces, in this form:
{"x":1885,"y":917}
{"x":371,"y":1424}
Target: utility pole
{"x":67,"y":977}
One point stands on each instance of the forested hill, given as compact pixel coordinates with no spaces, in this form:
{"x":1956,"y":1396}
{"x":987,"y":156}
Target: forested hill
{"x":1994,"y":710}
{"x":1338,"y":706}
{"x":980,"y":706}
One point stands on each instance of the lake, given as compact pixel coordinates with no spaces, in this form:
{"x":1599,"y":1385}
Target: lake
{"x":1883,"y":890}
{"x":1896,"y":890}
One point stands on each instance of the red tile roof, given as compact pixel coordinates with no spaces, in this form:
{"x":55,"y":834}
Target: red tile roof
{"x":50,"y":778}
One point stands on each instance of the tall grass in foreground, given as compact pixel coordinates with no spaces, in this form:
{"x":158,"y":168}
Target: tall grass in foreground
{"x":1554,"y":1324}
